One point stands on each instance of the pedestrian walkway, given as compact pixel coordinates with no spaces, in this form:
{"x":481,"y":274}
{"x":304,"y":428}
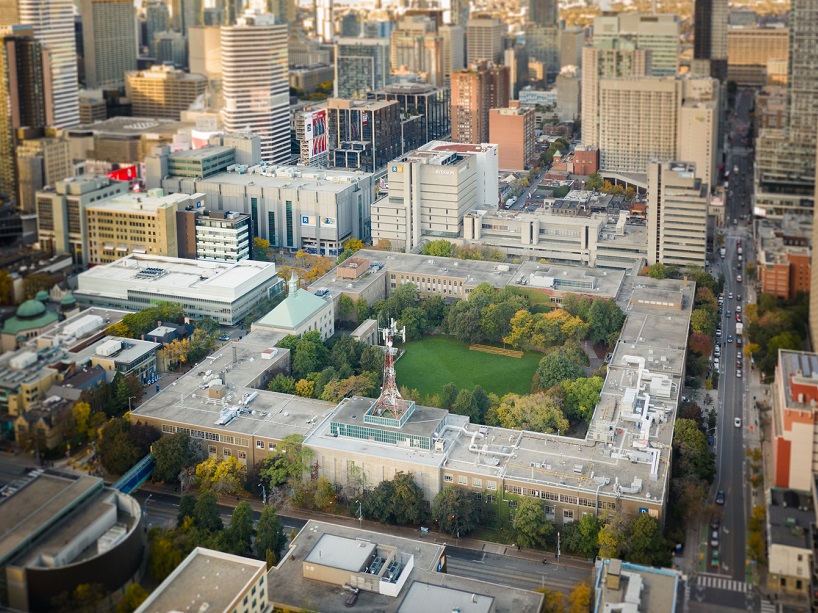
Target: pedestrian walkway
{"x":768,"y":607}
{"x":718,"y":582}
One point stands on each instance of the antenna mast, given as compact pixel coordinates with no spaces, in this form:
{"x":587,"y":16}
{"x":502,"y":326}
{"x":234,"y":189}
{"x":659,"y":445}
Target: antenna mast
{"x":390,"y":400}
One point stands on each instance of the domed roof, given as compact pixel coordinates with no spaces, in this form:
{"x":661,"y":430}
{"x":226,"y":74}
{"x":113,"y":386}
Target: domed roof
{"x":68,"y":299}
{"x":30,"y":309}
{"x":42,"y":296}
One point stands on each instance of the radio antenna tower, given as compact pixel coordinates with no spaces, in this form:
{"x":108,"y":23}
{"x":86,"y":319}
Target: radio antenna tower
{"x":390,"y":400}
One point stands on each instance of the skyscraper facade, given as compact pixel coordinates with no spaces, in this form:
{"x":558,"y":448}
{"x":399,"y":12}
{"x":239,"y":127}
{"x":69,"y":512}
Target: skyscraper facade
{"x":109,"y":41}
{"x":22,"y":86}
{"x":543,"y":12}
{"x":416,"y":47}
{"x":475,"y":91}
{"x":361,"y":66}
{"x":710,"y":35}
{"x":484,"y":40}
{"x":256,"y":84}
{"x":658,"y":34}
{"x":53,"y":23}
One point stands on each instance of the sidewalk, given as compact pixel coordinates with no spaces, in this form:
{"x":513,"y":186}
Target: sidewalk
{"x":404,"y":531}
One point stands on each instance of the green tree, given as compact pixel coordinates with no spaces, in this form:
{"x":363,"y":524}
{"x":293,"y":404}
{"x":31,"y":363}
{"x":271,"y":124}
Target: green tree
{"x":187,"y":509}
{"x":311,"y":355}
{"x":117,"y":453}
{"x":449,"y":396}
{"x":538,"y":413}
{"x":282,"y":383}
{"x":173,"y":454}
{"x":134,"y":596}
{"x":261,"y":249}
{"x":269,"y":535}
{"x":605,"y":320}
{"x":414,"y":320}
{"x":362,"y":308}
{"x":398,"y":501}
{"x":165,"y":553}
{"x":531,"y":527}
{"x":613,"y":537}
{"x":581,"y":397}
{"x":645,"y":544}
{"x":345,"y":307}
{"x":372,"y":360}
{"x":454,"y":511}
{"x":82,"y":416}
{"x":206,"y":514}
{"x":438,"y":248}
{"x":656,"y":271}
{"x":589,"y":528}
{"x":594,"y":182}
{"x":239,"y":535}
{"x":325,"y":496}
{"x":555,"y":368}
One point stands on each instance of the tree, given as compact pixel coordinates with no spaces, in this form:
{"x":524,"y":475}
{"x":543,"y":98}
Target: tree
{"x":206,"y":514}
{"x":589,"y":528}
{"x":187,"y":509}
{"x":362,"y":309}
{"x":700,"y":343}
{"x":646,"y":545}
{"x":612,"y":537}
{"x":449,"y":396}
{"x":531,"y":526}
{"x":692,"y":455}
{"x":222,"y":476}
{"x":304,"y":388}
{"x":269,"y":535}
{"x":438,"y":248}
{"x":82,"y":415}
{"x":555,"y":368}
{"x":656,"y":271}
{"x":453,"y":510}
{"x":372,"y":360}
{"x":538,"y":413}
{"x":165,"y":554}
{"x":554,"y":601}
{"x":399,"y":501}
{"x":6,"y":288}
{"x":703,"y":321}
{"x":134,"y":596}
{"x":581,"y":397}
{"x":605,"y":320}
{"x":325,"y":495}
{"x":282,"y":383}
{"x":595,"y":182}
{"x":579,"y":599}
{"x":173,"y":454}
{"x":414,"y":320}
{"x":345,"y":307}
{"x":117,"y":453}
{"x":630,"y":193}
{"x":239,"y":535}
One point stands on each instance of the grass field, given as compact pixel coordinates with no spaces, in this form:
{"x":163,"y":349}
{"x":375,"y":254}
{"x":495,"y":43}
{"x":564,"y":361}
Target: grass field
{"x":432,"y":362}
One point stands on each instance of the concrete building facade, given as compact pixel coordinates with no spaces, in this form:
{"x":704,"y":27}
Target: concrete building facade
{"x":163,"y":91}
{"x":363,"y":135}
{"x":658,"y":33}
{"x":474,"y":91}
{"x":749,"y":49}
{"x":255,"y":83}
{"x":109,"y":41}
{"x":362,"y":65}
{"x":216,"y":236}
{"x":677,"y":214}
{"x":484,"y":40}
{"x":416,"y":47}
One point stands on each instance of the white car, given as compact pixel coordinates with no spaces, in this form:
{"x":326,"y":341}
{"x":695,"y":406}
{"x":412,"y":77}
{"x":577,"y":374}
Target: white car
{"x":737,"y":422}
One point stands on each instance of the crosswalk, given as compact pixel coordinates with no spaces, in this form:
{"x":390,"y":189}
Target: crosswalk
{"x":768,"y":607}
{"x":722,"y":583}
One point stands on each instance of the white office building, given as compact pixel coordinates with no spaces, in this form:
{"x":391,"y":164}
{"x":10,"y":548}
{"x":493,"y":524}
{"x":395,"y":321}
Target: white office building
{"x":227,"y":292}
{"x":256,"y":84}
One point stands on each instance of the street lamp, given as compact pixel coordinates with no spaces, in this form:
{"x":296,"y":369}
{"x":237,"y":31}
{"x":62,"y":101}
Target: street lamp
{"x":263,"y":493}
{"x":129,"y":402}
{"x":145,"y":506}
{"x":360,"y":515}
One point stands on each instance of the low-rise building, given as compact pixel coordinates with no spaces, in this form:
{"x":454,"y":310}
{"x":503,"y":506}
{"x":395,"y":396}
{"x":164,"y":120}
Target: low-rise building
{"x":212,"y":581}
{"x":790,"y":515}
{"x":30,"y":320}
{"x":622,"y":586}
{"x":125,"y":356}
{"x":301,"y":311}
{"x":63,"y":531}
{"x":795,"y":419}
{"x":45,"y":425}
{"x":217,"y":236}
{"x":226,"y":292}
{"x":783,"y":256}
{"x":308,"y":78}
{"x":386,"y":573}
{"x":163,"y":91}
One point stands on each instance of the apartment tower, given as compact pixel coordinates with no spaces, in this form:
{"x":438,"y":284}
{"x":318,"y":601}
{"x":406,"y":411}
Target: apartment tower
{"x":108,"y":41}
{"x":475,"y":90}
{"x":53,"y":23}
{"x":255,"y":83}
{"x":163,"y":91}
{"x":484,"y":40}
{"x":710,"y":35}
{"x":361,"y":66}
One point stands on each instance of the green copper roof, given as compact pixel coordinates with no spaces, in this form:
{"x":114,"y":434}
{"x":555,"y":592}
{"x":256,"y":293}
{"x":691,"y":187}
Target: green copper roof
{"x":42,"y":296}
{"x":68,"y":299}
{"x":299,"y":306}
{"x":16,"y":325}
{"x":30,"y":308}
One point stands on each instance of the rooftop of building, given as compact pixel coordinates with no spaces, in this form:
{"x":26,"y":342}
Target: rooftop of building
{"x":131,"y":126}
{"x":359,"y":105}
{"x":130,"y":350}
{"x":297,"y":307}
{"x":165,"y":72}
{"x":425,"y":589}
{"x":291,"y":177}
{"x":47,"y":511}
{"x":198,"y":155}
{"x":599,"y":282}
{"x":789,"y":516}
{"x":409,"y":88}
{"x":149,"y":202}
{"x":634,"y":588}
{"x":243,"y":365}
{"x":205,"y":580}
{"x":798,"y":369}
{"x":76,"y":331}
{"x":437,"y":145}
{"x":171,"y":276}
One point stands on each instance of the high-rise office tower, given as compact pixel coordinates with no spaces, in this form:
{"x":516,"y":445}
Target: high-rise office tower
{"x":53,"y":23}
{"x":543,"y":12}
{"x":109,"y":41}
{"x":475,"y":91}
{"x":255,"y":83}
{"x":284,"y":10}
{"x":361,"y":66}
{"x":455,"y":12}
{"x":22,"y":87}
{"x":454,"y":45}
{"x":657,"y":33}
{"x":156,"y":20}
{"x":710,"y":35}
{"x":171,"y":48}
{"x":185,"y":14}
{"x":416,"y":47}
{"x":484,"y":40}
{"x":324,"y":20}
{"x":619,"y":59}
{"x":163,"y":91}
